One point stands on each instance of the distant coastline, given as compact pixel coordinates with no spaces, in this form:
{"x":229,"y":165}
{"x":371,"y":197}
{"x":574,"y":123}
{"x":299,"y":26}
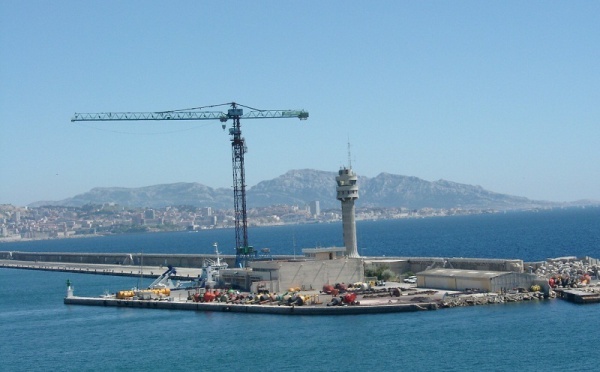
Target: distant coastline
{"x":56,"y":231}
{"x":69,"y":223}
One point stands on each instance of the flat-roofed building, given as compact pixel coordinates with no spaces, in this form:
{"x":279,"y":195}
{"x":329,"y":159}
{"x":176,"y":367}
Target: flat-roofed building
{"x":281,"y":276}
{"x":460,"y":280}
{"x":330,"y":253}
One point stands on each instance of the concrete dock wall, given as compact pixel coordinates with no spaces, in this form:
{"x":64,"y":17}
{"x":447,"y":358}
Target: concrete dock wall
{"x":177,"y":260}
{"x":160,"y":260}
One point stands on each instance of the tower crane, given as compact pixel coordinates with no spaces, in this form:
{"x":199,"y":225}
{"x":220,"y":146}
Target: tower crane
{"x":244,"y":252}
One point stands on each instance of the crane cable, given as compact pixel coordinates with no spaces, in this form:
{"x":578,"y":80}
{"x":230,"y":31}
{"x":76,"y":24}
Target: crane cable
{"x":197,"y":108}
{"x":211,"y":106}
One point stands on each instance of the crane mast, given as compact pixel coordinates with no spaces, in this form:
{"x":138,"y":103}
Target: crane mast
{"x":238,"y":149}
{"x":244,"y":252}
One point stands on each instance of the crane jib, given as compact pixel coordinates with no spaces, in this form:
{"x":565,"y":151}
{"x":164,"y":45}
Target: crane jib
{"x":189,"y":115}
{"x":167,"y":115}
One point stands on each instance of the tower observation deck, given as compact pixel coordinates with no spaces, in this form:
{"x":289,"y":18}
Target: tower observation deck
{"x":347,"y":193}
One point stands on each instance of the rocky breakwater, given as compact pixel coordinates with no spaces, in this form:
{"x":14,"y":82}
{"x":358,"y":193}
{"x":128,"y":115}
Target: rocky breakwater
{"x":450,"y":299}
{"x":474,"y":299}
{"x":395,"y":293}
{"x":571,"y":278}
{"x":568,"y":272}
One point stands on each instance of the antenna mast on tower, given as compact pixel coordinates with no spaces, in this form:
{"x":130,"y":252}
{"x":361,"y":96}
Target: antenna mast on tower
{"x":349,"y":155}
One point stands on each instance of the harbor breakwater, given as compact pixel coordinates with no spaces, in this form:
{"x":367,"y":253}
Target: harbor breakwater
{"x":130,"y":259}
{"x":398,"y":265}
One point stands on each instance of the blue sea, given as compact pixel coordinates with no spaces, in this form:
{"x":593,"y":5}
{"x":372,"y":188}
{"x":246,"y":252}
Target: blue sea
{"x":39,"y":333}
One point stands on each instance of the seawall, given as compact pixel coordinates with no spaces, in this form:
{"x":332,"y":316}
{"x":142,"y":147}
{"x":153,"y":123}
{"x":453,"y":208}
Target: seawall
{"x":399,"y":265}
{"x":133,"y":259}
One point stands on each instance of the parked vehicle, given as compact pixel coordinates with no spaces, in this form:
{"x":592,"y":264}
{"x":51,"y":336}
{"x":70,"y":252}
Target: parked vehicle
{"x":411,"y":280}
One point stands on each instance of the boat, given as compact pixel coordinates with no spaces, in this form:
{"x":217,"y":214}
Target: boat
{"x":208,"y":278}
{"x":210,"y":270}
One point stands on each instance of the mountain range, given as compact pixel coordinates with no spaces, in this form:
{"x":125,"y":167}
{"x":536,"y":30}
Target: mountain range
{"x":299,"y":187}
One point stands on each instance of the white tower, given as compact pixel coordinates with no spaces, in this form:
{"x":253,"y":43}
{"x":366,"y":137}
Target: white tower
{"x":69,"y":289}
{"x":347,"y":193}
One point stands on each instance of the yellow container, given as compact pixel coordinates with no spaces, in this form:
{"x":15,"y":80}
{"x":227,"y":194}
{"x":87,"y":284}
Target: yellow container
{"x":125,"y":294}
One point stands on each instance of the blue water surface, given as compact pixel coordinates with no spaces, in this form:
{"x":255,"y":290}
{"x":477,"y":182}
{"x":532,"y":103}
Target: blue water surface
{"x":531,"y":236}
{"x":39,"y":333}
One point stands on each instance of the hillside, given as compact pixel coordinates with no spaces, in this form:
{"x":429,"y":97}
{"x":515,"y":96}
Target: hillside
{"x":299,"y":187}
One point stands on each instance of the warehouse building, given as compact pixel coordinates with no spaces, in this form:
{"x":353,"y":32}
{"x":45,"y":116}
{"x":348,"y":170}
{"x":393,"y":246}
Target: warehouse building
{"x":280,"y":276}
{"x":460,"y":280}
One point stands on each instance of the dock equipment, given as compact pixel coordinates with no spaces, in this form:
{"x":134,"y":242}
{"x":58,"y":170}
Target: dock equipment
{"x":244,"y":251}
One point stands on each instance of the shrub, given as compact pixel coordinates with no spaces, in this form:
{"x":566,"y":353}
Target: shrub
{"x":387,"y":274}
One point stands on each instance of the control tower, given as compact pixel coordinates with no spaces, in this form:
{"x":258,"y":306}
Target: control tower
{"x":347,"y":193}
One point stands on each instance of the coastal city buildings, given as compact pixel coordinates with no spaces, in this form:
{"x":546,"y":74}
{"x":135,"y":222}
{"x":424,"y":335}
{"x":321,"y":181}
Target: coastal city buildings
{"x":46,"y":222}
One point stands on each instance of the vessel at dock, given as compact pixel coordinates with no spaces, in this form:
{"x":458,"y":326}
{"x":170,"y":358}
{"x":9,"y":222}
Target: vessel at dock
{"x":164,"y":285}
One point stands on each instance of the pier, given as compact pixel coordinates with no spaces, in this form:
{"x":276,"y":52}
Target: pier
{"x":579,"y":295}
{"x":254,"y":309}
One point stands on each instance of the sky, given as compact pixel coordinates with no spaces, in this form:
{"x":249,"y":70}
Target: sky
{"x":505,"y":95}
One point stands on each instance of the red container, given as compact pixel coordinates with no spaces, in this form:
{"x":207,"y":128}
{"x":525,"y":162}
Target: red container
{"x":350,"y":298}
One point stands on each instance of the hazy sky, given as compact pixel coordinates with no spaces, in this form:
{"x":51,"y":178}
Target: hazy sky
{"x":505,"y":95}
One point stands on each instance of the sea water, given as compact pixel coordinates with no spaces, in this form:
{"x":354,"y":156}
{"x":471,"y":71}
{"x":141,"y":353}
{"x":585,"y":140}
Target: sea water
{"x":530,"y":236}
{"x":39,"y":332}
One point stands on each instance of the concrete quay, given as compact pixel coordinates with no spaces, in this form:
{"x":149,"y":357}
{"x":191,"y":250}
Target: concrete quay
{"x":587,"y":295}
{"x":380,"y":308}
{"x":392,"y":298}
